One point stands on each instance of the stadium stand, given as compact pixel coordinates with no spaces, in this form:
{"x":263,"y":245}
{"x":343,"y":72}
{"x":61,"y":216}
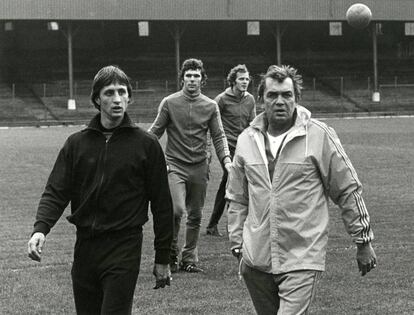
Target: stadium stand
{"x":337,"y":70}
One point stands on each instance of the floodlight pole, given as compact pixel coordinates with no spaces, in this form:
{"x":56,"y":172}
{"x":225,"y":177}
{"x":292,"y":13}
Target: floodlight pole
{"x":376,"y":93}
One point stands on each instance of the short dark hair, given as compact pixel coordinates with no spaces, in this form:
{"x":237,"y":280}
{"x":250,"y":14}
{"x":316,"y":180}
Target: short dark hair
{"x":107,"y":76}
{"x":193,"y":64}
{"x":280,"y":73}
{"x":232,"y":76}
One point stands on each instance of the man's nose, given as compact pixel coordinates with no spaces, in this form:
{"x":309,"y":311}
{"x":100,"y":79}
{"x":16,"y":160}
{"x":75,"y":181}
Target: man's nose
{"x":117,"y":97}
{"x":279,"y":100}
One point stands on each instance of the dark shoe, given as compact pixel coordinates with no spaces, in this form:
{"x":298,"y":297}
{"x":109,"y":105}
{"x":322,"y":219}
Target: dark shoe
{"x":174,"y":267}
{"x":190,"y":267}
{"x":213,"y":231}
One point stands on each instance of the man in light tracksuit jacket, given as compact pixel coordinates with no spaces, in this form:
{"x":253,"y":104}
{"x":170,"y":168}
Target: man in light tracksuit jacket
{"x":187,"y":116}
{"x":285,"y":168}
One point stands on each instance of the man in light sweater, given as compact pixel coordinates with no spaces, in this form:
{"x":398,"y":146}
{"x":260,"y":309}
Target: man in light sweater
{"x":237,"y":110}
{"x":187,"y":116}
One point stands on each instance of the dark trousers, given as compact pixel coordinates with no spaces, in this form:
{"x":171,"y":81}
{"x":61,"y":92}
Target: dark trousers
{"x":105,"y":271}
{"x":220,"y":201}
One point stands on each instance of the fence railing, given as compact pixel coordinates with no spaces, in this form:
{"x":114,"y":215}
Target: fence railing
{"x":48,"y":100}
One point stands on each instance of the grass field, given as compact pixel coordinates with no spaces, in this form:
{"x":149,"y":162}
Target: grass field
{"x":382,"y":152}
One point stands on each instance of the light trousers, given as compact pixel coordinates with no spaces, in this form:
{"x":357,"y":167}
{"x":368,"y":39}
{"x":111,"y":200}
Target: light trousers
{"x":188,"y":186}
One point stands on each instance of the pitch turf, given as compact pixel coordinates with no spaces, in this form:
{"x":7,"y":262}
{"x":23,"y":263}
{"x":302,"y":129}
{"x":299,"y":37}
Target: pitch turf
{"x":382,"y":152}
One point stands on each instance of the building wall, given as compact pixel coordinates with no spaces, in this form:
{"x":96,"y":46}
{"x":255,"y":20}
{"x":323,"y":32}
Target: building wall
{"x":305,"y":10}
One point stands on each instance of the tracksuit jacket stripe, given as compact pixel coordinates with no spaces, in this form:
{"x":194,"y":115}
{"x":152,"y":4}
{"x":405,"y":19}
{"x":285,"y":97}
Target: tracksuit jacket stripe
{"x":363,"y":213}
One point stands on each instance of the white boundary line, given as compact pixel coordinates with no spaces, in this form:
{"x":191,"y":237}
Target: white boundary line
{"x":316,"y":117}
{"x":365,"y":117}
{"x":41,"y":126}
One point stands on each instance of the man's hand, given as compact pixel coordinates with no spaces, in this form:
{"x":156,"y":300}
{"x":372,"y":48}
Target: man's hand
{"x":366,"y":258}
{"x":227,"y":166}
{"x":237,"y":252}
{"x":162,"y":275}
{"x":35,"y":246}
{"x":227,"y":163}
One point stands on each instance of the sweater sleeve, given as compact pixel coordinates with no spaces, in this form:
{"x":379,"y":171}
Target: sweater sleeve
{"x":161,"y":121}
{"x":56,"y":195}
{"x":341,"y":181}
{"x":161,"y":204}
{"x":253,"y":111}
{"x":218,"y":136}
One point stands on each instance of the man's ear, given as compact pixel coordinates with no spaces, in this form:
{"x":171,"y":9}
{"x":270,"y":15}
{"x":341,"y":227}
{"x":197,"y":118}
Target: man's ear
{"x":98,"y":100}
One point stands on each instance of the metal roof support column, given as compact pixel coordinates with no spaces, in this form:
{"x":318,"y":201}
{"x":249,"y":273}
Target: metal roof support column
{"x":278,"y":43}
{"x":69,"y":35}
{"x":178,"y":32}
{"x":70,"y":61}
{"x":376,"y":94}
{"x":277,"y":34}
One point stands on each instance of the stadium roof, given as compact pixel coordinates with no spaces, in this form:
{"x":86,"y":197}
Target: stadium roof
{"x":281,"y":10}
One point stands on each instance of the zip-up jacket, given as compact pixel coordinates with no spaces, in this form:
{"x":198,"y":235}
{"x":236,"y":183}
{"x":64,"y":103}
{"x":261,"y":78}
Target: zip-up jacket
{"x":282,"y":222}
{"x":236,"y":114}
{"x":109,"y":184}
{"x":187,"y":119}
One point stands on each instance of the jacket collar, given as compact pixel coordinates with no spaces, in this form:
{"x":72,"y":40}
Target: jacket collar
{"x":95,"y":123}
{"x":229,"y":92}
{"x":302,"y":118}
{"x":191,"y":96}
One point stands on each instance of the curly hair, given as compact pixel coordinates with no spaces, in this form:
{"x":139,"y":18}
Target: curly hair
{"x":107,"y":76}
{"x":232,"y":76}
{"x":280,"y":73}
{"x":193,"y":64}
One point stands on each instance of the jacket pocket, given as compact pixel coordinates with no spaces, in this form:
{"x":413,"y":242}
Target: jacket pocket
{"x":296,"y":172}
{"x":259,"y":189}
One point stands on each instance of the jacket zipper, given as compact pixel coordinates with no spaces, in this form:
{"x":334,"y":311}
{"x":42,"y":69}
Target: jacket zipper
{"x":189,"y":123}
{"x":100,"y":183}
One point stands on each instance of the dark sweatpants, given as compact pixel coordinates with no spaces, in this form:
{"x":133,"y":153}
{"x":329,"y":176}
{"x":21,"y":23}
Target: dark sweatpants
{"x":220,"y":201}
{"x":105,"y":271}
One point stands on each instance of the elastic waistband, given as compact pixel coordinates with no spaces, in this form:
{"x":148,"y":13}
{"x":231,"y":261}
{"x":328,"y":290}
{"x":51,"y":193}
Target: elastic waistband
{"x":87,"y":232}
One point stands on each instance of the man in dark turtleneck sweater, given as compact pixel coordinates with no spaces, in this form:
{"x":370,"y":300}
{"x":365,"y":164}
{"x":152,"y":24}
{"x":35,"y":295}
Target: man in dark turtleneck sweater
{"x":187,"y":116}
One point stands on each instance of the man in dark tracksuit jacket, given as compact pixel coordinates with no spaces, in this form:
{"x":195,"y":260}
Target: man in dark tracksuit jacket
{"x":237,"y":109}
{"x":109,"y":172}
